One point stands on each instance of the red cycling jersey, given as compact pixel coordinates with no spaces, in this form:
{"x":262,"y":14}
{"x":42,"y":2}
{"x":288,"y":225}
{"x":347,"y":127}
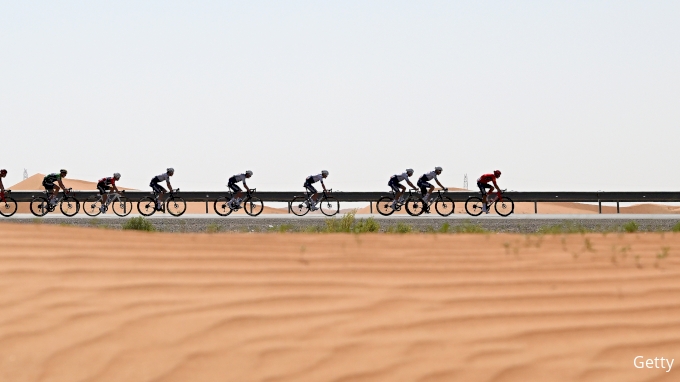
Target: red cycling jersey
{"x":486,"y":178}
{"x":108,"y":181}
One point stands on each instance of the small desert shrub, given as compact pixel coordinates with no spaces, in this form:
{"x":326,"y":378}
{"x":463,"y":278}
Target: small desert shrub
{"x":139,"y":224}
{"x":676,"y":227}
{"x":564,"y":228}
{"x":213,"y":228}
{"x":468,"y":227}
{"x":282,"y":228}
{"x":368,"y":225}
{"x":444,"y":228}
{"x":631,"y":226}
{"x":400,"y":228}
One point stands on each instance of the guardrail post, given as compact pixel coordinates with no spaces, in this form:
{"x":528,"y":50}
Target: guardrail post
{"x":617,"y":207}
{"x":289,"y":207}
{"x":599,"y":204}
{"x":371,"y":204}
{"x":206,"y":206}
{"x":535,"y":207}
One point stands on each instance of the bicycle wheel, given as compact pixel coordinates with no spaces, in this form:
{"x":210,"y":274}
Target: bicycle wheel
{"x":39,"y":206}
{"x":473,"y":206}
{"x":253,"y":206}
{"x":122,"y":206}
{"x":504,"y":207}
{"x":175,"y":205}
{"x":444,"y":206}
{"x":92,"y":206}
{"x":222,"y":206}
{"x":299,"y":206}
{"x":415,"y":206}
{"x":69,"y":206}
{"x":8,"y":207}
{"x":147,"y":206}
{"x":329,"y":206}
{"x":384,"y":206}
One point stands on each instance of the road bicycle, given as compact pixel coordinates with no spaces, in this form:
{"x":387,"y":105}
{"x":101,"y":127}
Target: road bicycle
{"x":328,"y":205}
{"x":175,"y":205}
{"x":384,"y":204}
{"x":8,"y":206}
{"x":121,"y":205}
{"x":504,"y":205}
{"x":68,"y":204}
{"x":444,"y":205}
{"x":251,"y":204}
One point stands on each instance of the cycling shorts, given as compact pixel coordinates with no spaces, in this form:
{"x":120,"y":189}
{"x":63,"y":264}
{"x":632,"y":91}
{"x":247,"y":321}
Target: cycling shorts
{"x":102,"y":187}
{"x":157,"y":187}
{"x":49,"y":186}
{"x":394,"y":184}
{"x":233,"y":186}
{"x":310,"y":188}
{"x":483,"y":187}
{"x":424,"y":185}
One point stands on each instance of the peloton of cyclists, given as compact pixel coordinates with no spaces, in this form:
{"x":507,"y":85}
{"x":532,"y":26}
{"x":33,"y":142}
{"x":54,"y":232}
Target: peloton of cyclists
{"x":3,"y":173}
{"x":233,"y":186}
{"x":483,"y":184}
{"x":105,"y":184}
{"x":309,"y":187}
{"x":159,"y":189}
{"x":426,"y":188}
{"x":48,"y":183}
{"x":398,"y":188}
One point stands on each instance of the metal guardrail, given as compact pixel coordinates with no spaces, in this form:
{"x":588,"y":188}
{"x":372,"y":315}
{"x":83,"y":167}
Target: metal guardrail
{"x":457,"y":196}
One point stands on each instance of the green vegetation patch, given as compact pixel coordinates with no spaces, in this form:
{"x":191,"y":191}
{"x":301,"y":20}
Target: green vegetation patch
{"x":139,"y":224}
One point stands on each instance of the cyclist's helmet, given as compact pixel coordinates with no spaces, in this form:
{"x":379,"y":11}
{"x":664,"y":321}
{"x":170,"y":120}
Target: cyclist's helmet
{"x":63,"y":171}
{"x":409,"y":171}
{"x":249,"y":173}
{"x":324,"y":173}
{"x":497,"y":173}
{"x":116,"y":175}
{"x":170,"y":170}
{"x":3,"y":171}
{"x":438,"y":169}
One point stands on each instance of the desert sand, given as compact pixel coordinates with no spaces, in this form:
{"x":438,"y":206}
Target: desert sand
{"x":84,"y":304}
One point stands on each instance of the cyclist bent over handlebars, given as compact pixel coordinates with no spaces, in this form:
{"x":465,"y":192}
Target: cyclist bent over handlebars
{"x":105,"y":184}
{"x":48,"y":183}
{"x":233,"y":186}
{"x":309,"y":186}
{"x":426,"y":188}
{"x":397,"y":187}
{"x":159,"y":189}
{"x":483,"y":184}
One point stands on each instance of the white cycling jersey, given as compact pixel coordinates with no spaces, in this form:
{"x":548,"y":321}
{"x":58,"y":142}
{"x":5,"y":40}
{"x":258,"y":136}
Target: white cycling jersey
{"x":315,"y":178}
{"x":163,"y":176}
{"x":239,"y":178}
{"x":430,"y":175}
{"x":401,"y":177}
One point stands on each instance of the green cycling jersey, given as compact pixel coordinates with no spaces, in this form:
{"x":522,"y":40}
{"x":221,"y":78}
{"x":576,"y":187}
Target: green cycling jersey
{"x":51,"y":178}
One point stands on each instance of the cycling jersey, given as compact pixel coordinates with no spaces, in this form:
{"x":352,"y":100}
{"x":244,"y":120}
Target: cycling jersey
{"x":110,"y":181}
{"x":400,"y":177}
{"x":51,"y":178}
{"x":237,"y":178}
{"x":314,"y":178}
{"x":161,"y":177}
{"x":429,"y":176}
{"x":486,"y":178}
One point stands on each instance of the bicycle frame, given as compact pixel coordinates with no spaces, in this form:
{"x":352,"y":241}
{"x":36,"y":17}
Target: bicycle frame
{"x":3,"y":194}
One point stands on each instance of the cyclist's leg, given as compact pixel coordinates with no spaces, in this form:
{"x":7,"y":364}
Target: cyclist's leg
{"x":236,"y":191}
{"x":102,"y":191}
{"x":312,"y":190}
{"x":49,"y":187}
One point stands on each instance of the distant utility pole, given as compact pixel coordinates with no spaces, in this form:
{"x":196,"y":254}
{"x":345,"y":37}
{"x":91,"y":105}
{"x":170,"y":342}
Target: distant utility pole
{"x":25,"y":174}
{"x":465,"y":182}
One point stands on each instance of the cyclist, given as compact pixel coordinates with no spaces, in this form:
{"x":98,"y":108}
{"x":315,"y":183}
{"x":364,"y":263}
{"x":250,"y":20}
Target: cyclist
{"x":483,"y":184}
{"x":309,"y":186}
{"x":426,"y":188}
{"x":159,"y":189}
{"x":3,"y":173}
{"x":48,"y":183}
{"x":235,"y":188}
{"x":104,"y":185}
{"x":397,"y":187}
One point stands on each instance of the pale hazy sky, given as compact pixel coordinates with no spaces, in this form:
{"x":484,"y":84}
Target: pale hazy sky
{"x":570,"y":95}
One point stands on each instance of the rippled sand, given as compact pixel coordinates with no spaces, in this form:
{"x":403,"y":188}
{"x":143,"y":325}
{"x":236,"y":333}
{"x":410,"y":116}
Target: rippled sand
{"x":81,"y":304}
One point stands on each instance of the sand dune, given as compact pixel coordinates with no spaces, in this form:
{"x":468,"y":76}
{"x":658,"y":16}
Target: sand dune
{"x":98,"y":305}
